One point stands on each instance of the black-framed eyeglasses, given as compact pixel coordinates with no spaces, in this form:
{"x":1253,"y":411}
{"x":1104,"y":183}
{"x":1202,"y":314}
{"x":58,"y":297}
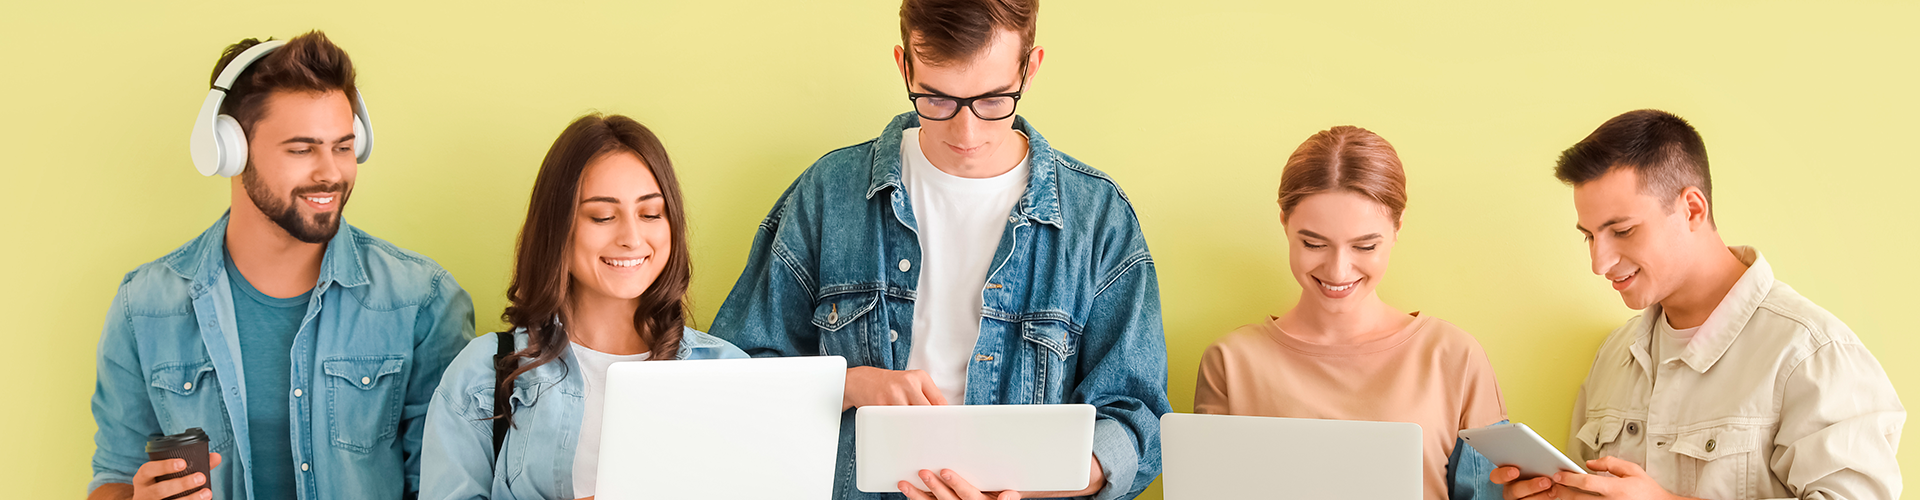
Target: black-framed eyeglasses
{"x":989,"y":107}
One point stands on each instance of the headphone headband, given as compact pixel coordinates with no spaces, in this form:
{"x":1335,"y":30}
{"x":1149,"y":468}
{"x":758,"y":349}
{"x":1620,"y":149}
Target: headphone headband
{"x":241,"y":62}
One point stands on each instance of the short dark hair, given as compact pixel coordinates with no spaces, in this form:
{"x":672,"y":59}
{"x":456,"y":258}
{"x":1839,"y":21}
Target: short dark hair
{"x":942,"y":31}
{"x":1667,"y":152}
{"x":308,"y":63}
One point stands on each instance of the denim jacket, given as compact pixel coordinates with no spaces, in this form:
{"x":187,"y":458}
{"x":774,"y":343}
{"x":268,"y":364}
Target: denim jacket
{"x":380,"y":327}
{"x":1071,"y":306}
{"x":537,"y":458}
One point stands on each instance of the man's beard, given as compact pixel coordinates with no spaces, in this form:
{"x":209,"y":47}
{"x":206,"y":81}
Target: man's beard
{"x":318,"y":229}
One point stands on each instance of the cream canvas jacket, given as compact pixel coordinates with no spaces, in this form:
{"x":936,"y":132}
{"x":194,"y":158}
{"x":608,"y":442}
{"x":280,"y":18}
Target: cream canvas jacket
{"x":1773,"y":398}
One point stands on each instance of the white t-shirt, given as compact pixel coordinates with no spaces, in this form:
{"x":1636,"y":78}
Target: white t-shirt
{"x":1669,"y":344}
{"x":960,"y":223}
{"x":586,"y":453}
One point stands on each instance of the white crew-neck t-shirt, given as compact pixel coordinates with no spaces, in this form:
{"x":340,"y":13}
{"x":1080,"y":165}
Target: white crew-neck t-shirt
{"x":960,"y":223}
{"x":1669,"y":343}
{"x":586,"y":453}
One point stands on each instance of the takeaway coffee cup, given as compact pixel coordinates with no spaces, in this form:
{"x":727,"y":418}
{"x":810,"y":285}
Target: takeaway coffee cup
{"x":191,"y":446}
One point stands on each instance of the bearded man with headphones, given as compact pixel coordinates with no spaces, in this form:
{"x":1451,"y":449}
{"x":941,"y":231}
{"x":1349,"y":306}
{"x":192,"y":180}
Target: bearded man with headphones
{"x":305,"y":349}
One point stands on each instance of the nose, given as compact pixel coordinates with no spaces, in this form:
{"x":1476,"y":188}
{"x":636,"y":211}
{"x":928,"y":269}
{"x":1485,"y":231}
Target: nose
{"x":627,"y":235}
{"x":1603,"y":255}
{"x":327,"y":170}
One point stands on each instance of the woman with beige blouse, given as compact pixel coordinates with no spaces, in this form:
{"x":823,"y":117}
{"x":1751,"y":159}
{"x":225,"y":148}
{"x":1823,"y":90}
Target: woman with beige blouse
{"x":1340,"y":352}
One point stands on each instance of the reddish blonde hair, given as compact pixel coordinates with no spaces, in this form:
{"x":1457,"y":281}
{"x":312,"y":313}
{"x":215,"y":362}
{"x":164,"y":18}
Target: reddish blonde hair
{"x":1345,"y":158}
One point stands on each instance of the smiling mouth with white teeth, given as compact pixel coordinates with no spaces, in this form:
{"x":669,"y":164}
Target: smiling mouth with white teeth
{"x":623,"y":263}
{"x":1339,"y":288}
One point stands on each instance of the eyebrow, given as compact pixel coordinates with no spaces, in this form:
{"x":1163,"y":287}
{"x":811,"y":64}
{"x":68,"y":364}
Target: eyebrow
{"x":1311,"y":234}
{"x":1615,"y":220}
{"x":929,"y":88}
{"x":610,"y":199}
{"x":314,"y":140}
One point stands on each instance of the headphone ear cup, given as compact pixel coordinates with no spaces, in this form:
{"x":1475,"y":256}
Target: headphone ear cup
{"x":361,"y":141}
{"x":231,"y":141}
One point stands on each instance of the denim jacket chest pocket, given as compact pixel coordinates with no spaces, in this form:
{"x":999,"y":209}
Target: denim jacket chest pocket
{"x":187,"y":394}
{"x":847,"y":323}
{"x":1610,"y":435}
{"x":363,"y":399}
{"x":1047,"y":346}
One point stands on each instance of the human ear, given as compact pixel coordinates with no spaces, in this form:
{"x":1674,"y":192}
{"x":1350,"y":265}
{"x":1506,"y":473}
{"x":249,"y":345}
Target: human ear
{"x":1694,"y":202}
{"x":900,"y":61}
{"x":1033,"y":64}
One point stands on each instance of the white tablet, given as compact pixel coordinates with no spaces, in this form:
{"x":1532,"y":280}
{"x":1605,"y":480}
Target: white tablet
{"x":994,"y":447}
{"x":1514,"y":444}
{"x":1210,"y":457}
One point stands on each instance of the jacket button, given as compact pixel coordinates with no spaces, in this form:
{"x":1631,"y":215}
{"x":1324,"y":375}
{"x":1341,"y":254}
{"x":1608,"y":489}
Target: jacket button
{"x":1633,"y":427}
{"x":904,"y":265}
{"x":303,"y":467}
{"x":893,"y":336}
{"x":187,"y":387}
{"x":366,"y":380}
{"x":1014,"y":219}
{"x":296,"y":393}
{"x":1710,"y":446}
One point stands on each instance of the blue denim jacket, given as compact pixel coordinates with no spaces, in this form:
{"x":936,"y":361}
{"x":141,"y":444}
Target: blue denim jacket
{"x":380,"y":327}
{"x":1071,"y":309}
{"x":537,"y":457}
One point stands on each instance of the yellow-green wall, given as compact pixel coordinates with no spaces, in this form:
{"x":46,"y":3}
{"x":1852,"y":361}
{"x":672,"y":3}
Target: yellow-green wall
{"x":1808,"y":110}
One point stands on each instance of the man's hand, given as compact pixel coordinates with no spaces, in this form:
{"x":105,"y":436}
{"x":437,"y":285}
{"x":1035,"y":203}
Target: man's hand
{"x":1628,"y":481}
{"x":146,"y":487}
{"x":950,"y":483}
{"x":869,"y":386}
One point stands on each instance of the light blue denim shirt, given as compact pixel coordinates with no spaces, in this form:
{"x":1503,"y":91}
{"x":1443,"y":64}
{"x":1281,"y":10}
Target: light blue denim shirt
{"x":548,"y":402}
{"x":1071,"y":308}
{"x":381,"y":325}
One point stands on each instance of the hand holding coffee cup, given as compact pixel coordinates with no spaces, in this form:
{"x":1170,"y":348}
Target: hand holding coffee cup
{"x":178,"y":468}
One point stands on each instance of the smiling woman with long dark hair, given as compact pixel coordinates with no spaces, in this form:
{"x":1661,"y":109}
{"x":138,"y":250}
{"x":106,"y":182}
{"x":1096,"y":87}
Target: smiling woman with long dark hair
{"x":600,"y":276}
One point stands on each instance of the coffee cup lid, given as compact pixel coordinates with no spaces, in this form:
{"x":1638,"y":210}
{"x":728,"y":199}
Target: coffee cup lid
{"x":190,"y":436}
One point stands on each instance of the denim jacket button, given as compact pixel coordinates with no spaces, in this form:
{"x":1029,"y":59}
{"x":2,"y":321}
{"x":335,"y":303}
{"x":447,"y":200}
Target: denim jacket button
{"x":893,"y":336}
{"x":1710,"y":445}
{"x":303,"y":467}
{"x":904,"y":265}
{"x":1013,"y":219}
{"x":1633,"y":428}
{"x":296,"y":393}
{"x":187,"y":387}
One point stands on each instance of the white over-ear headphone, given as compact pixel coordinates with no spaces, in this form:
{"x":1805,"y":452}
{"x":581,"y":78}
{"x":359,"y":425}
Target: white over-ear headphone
{"x":220,"y":145}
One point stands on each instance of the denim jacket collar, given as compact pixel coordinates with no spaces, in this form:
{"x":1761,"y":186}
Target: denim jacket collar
{"x":198,"y":262}
{"x":1041,"y":203}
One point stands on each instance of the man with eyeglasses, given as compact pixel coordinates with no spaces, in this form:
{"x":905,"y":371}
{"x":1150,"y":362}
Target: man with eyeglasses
{"x":959,"y":259}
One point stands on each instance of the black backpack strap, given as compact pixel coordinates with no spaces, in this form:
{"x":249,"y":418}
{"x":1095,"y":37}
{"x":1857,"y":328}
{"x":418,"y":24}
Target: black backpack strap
{"x":503,"y":363}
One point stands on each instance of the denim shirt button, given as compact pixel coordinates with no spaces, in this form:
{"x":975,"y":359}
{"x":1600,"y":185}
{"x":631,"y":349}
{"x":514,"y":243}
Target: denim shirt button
{"x":893,"y":336}
{"x":904,"y":265}
{"x":1013,"y":219}
{"x":296,"y":393}
{"x":303,"y":467}
{"x":187,"y":387}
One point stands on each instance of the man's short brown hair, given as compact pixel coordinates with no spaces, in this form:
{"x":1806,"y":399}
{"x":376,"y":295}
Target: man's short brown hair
{"x":307,"y":63}
{"x":942,"y":31}
{"x":1664,"y":149}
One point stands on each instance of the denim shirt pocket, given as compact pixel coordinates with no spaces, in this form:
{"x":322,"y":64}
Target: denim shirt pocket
{"x":363,"y":399}
{"x":843,"y":323}
{"x":1717,"y":461}
{"x":188,"y":396}
{"x":1049,"y":344}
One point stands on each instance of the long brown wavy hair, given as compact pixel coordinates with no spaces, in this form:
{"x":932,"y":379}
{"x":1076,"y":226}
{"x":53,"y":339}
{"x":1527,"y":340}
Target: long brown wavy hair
{"x":540,"y":275}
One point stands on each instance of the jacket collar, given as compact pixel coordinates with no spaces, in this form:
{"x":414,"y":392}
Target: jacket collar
{"x":1041,"y":203}
{"x":1723,"y":325}
{"x":201,"y":258}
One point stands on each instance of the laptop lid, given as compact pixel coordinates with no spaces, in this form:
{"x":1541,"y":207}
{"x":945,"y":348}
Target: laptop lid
{"x":692,"y":429}
{"x":1225,"y":456}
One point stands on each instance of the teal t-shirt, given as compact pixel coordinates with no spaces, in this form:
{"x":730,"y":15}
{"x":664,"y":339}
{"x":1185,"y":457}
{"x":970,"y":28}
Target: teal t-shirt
{"x":267,"y":325}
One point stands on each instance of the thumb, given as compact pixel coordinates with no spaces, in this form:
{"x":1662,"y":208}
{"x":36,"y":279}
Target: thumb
{"x":214,"y":460}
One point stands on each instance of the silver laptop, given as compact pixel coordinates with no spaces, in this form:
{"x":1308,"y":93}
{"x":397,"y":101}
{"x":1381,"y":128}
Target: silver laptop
{"x":1221,"y":456}
{"x":721,"y":429}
